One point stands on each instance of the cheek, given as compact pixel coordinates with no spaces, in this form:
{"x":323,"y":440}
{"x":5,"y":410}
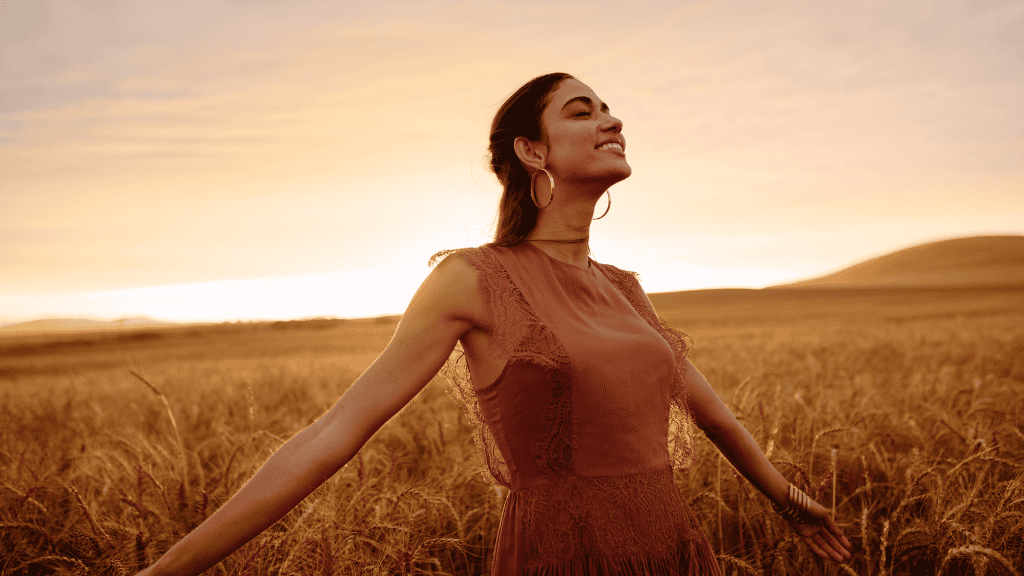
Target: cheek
{"x":572,"y":145}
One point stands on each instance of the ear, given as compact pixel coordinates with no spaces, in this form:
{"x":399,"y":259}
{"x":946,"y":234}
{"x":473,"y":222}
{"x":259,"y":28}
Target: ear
{"x":533,"y":154}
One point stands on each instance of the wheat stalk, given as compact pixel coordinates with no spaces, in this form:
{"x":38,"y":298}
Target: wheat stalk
{"x":96,"y":528}
{"x":54,"y":558}
{"x":881,"y":559}
{"x":864,"y":535}
{"x":972,"y":551}
{"x":5,"y":526}
{"x":846,"y":568}
{"x":835,"y":459}
{"x":174,"y":426}
{"x":738,"y":563}
{"x":27,"y":497}
{"x":814,"y":444}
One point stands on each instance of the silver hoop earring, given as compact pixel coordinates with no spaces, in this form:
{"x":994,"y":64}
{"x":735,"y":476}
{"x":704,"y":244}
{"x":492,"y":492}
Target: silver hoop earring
{"x":609,"y":205}
{"x":533,"y":194}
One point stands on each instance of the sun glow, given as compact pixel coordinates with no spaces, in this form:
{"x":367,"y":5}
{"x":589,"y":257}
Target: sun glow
{"x":349,"y":294}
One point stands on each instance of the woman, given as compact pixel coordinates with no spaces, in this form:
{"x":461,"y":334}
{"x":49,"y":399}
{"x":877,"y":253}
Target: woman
{"x":584,"y":400}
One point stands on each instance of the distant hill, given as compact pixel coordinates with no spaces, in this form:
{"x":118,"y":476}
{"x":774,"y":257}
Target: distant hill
{"x":76,"y":324}
{"x":959,"y":262}
{"x":971,"y":262}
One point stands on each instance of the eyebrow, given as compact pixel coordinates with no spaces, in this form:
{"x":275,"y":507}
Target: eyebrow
{"x":586,"y":100}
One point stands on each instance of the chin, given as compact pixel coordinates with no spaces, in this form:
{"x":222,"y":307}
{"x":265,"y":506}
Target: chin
{"x":607,"y":175}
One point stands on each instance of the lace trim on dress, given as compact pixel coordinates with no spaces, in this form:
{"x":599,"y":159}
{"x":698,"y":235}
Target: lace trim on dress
{"x":519,"y":335}
{"x":622,"y":521}
{"x":681,"y":445}
{"x":459,"y":387}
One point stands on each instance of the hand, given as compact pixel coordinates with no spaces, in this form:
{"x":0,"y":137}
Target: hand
{"x":818,"y":530}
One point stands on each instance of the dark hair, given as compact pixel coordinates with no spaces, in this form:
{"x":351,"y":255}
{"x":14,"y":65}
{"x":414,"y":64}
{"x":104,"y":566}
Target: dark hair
{"x":520,"y":115}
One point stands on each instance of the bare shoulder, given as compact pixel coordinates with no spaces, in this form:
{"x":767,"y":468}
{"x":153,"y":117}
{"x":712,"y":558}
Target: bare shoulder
{"x":453,"y":289}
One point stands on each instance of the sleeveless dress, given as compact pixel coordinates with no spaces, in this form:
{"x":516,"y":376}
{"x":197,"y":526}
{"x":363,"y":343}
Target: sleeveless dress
{"x":585,"y":423}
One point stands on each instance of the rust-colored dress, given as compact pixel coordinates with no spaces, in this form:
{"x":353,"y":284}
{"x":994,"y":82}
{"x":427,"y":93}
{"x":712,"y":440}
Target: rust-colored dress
{"x":585,"y":423}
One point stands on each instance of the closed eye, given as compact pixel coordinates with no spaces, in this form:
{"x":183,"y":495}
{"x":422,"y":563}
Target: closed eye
{"x":586,"y":101}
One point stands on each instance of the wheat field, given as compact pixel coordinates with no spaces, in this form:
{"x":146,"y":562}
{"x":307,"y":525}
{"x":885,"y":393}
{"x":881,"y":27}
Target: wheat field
{"x":900,"y":410}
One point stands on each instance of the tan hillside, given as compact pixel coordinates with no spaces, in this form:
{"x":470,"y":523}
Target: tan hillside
{"x":958,"y":262}
{"x":75,"y":324}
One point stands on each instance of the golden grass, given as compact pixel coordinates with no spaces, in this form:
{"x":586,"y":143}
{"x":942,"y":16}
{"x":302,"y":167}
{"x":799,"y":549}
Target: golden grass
{"x":899,"y":410}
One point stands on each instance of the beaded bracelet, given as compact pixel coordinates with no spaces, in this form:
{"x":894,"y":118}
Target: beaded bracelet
{"x":799,"y":508}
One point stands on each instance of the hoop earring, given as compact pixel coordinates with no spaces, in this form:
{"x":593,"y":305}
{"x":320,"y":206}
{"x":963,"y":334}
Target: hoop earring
{"x":609,"y":205}
{"x":533,"y":194}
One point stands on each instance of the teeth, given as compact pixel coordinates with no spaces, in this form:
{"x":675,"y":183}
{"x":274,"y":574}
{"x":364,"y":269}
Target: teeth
{"x":610,"y":146}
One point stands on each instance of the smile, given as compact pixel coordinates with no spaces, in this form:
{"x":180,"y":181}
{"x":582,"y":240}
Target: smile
{"x":610,"y":146}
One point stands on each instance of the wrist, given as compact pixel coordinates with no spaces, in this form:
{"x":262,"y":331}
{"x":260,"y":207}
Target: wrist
{"x":778,"y":493}
{"x":796,"y":507}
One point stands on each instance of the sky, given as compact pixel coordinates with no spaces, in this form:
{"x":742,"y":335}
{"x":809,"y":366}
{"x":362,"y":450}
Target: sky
{"x":214,"y":160}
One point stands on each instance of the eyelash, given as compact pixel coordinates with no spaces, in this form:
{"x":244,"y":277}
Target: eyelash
{"x":582,"y":113}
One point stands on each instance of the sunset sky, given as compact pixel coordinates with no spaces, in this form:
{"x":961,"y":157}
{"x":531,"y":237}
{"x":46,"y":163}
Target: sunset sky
{"x":210,"y":160}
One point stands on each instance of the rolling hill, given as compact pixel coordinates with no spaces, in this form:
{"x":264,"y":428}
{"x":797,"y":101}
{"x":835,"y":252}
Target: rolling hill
{"x":76,"y":324}
{"x":970,"y":262}
{"x":976,"y":261}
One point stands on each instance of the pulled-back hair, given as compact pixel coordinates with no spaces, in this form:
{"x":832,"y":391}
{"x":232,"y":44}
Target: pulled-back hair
{"x":520,"y":115}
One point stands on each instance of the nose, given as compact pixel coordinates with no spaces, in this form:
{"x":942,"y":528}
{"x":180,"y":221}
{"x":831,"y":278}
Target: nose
{"x":611,"y":124}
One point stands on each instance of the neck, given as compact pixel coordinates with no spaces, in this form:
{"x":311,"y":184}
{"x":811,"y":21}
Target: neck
{"x":563,"y":228}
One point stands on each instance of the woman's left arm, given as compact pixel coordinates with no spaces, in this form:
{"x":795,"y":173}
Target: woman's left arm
{"x":739,"y":447}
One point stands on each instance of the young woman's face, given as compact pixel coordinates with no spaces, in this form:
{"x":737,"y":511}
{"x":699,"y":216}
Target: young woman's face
{"x":584,"y":141}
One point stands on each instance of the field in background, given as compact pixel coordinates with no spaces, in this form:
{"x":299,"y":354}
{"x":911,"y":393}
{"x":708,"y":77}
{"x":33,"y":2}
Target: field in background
{"x":900,"y":409}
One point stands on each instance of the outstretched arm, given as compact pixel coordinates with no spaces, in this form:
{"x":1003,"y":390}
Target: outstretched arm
{"x":739,"y":447}
{"x":439,"y":313}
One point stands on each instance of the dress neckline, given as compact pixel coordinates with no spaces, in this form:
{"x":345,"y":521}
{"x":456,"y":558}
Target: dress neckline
{"x":590,"y":261}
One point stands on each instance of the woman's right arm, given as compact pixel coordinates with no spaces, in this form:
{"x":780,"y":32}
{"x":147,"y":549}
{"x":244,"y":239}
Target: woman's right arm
{"x":443,"y":309}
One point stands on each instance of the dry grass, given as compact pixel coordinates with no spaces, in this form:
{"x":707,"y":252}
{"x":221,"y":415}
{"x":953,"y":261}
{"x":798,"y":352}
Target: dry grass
{"x":901,"y":410}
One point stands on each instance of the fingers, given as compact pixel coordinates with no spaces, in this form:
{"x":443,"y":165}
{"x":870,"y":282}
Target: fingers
{"x":838,"y":535}
{"x":836,"y":540}
{"x":826,"y":545}
{"x":812,"y":541}
{"x":822,"y":547}
{"x":838,"y":552}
